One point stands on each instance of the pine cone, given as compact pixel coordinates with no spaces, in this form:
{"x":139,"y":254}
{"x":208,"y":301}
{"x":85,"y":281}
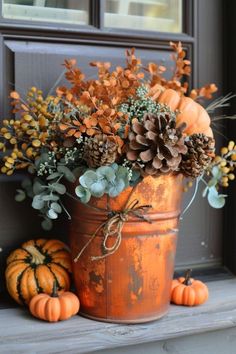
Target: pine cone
{"x":199,"y":155}
{"x":156,"y":145}
{"x":100,"y":150}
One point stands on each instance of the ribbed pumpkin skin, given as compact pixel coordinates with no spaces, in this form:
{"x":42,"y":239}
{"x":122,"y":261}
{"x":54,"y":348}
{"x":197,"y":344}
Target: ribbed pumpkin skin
{"x":191,"y":112}
{"x":188,"y":295}
{"x":35,"y":266}
{"x":53,"y":309}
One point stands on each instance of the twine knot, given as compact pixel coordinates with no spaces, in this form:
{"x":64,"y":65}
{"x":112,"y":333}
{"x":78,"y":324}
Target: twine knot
{"x":113,"y":227}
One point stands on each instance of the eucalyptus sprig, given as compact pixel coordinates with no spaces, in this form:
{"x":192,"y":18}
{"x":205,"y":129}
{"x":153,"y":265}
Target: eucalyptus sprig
{"x":46,"y":193}
{"x":111,"y":180}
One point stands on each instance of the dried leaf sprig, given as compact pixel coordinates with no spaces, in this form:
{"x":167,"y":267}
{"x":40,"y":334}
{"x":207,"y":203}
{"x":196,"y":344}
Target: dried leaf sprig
{"x":33,"y":129}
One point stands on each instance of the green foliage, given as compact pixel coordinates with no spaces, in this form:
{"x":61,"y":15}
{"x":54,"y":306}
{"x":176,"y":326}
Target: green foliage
{"x":46,"y":197}
{"x":46,"y":189}
{"x":66,"y":172}
{"x":83,"y":193}
{"x":215,"y":199}
{"x":20,"y":196}
{"x":111,"y":179}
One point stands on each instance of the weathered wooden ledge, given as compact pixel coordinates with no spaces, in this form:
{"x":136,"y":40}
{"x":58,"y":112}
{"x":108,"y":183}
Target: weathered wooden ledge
{"x":20,"y":333}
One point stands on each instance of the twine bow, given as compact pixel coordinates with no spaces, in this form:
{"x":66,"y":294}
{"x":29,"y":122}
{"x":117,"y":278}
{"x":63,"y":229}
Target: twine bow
{"x":113,"y":226}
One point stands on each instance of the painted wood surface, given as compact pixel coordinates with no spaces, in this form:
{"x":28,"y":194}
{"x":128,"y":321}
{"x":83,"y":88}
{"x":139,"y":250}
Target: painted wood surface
{"x":20,"y":333}
{"x":216,"y":342}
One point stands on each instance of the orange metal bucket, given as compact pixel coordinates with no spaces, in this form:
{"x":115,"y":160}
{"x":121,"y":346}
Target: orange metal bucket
{"x":133,"y":284}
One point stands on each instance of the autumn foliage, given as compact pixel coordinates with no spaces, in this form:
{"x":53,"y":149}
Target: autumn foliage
{"x":86,"y":108}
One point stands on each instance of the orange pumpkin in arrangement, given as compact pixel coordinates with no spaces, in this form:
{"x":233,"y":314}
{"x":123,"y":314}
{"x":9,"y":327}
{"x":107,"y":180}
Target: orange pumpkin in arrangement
{"x":34,"y":268}
{"x":192,"y":113}
{"x":188,"y":291}
{"x":57,"y":307}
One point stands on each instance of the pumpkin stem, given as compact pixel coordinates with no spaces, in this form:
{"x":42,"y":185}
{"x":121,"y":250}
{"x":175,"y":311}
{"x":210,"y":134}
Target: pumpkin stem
{"x":54,"y":289}
{"x":37,"y":256}
{"x":187,"y":280}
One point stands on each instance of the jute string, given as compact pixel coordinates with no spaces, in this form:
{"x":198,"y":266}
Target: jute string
{"x":113,"y":227}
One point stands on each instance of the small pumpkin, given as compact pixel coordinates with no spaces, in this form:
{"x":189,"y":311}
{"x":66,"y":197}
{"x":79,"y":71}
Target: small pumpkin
{"x":192,"y":113}
{"x":57,"y":307}
{"x":188,"y":291}
{"x":33,"y":268}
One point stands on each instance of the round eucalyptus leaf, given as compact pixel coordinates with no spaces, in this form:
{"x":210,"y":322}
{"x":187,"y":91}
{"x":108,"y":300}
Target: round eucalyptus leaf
{"x":122,"y":172}
{"x":98,"y":189}
{"x":117,"y":188}
{"x":37,"y":202}
{"x":53,"y":176}
{"x":216,"y":200}
{"x":52,"y":214}
{"x":114,"y":166}
{"x":216,"y":172}
{"x":88,"y":178}
{"x":59,"y":188}
{"x":67,"y":173}
{"x":47,"y":224}
{"x":20,"y":196}
{"x":79,"y":191}
{"x":26,"y":183}
{"x":50,"y":197}
{"x":56,"y":207}
{"x":83,"y":193}
{"x":106,"y":172}
{"x":38,"y":187}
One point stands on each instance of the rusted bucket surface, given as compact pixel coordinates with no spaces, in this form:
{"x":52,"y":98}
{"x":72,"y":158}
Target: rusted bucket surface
{"x":133,"y":284}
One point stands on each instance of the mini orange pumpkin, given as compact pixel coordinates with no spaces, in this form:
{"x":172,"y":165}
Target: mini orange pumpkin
{"x":191,"y":112}
{"x":35,"y":266}
{"x":57,"y":307}
{"x":188,"y":292}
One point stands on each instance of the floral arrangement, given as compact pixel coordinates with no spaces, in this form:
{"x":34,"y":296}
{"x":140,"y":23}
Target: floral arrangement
{"x":106,"y":134}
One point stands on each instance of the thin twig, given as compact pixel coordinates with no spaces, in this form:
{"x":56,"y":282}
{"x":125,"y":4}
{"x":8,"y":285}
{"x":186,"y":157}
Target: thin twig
{"x":88,"y":243}
{"x":56,"y":83}
{"x":221,"y":134}
{"x":220,"y":102}
{"x":217,"y":118}
{"x":193,"y":197}
{"x":65,"y":210}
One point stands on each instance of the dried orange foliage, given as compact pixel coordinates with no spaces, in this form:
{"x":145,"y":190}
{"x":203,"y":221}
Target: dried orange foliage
{"x":181,"y":69}
{"x":205,"y":92}
{"x":88,"y":107}
{"x":101,"y":96}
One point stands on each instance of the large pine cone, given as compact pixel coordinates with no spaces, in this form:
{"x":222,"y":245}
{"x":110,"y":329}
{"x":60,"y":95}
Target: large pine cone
{"x":156,"y":145}
{"x":100,"y":150}
{"x":199,"y":155}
